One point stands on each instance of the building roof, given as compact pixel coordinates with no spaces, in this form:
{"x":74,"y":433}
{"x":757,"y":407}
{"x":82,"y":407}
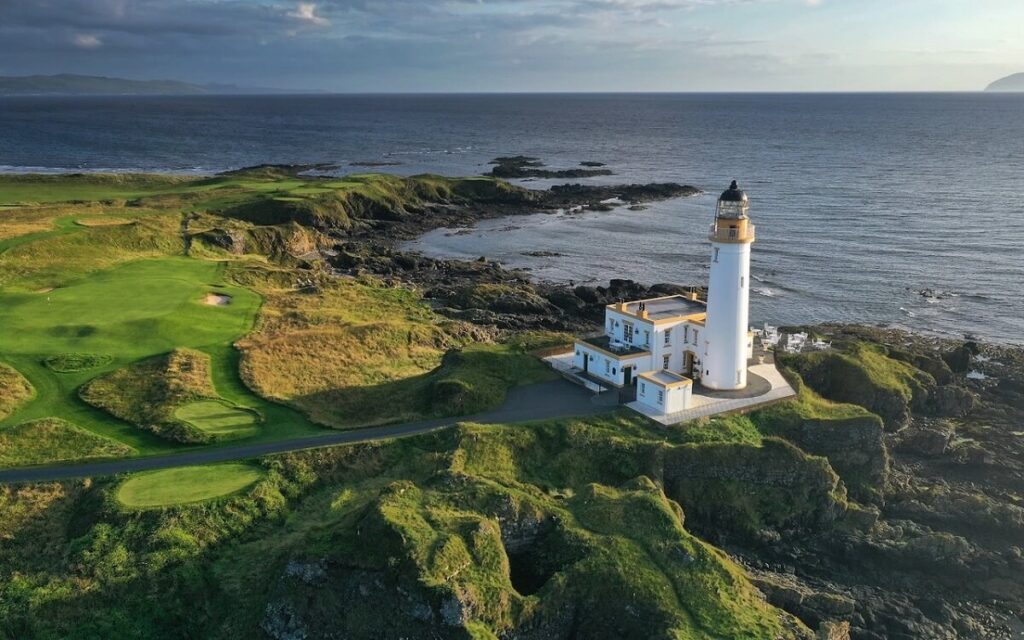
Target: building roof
{"x":665,"y":378}
{"x":733,"y":194}
{"x":662,"y":309}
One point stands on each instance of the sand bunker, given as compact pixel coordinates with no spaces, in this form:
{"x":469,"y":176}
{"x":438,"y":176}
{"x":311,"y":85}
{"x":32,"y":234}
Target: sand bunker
{"x":106,"y":221}
{"x":217,"y":299}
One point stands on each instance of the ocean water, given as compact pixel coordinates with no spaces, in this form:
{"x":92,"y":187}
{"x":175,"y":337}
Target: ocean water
{"x":904,"y":209}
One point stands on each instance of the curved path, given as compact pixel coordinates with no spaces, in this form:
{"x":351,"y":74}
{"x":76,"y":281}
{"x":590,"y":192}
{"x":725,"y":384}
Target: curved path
{"x":542,"y":401}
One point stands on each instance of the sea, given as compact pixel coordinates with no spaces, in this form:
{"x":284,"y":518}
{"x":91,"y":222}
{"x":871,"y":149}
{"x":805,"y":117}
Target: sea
{"x":892,"y":209}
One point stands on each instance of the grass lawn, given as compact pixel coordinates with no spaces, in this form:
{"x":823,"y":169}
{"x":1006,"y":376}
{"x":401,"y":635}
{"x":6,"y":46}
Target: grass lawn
{"x":169,"y":487}
{"x":218,"y":418}
{"x":134,"y":311}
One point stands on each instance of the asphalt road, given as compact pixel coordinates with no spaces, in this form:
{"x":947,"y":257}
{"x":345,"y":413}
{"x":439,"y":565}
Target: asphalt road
{"x":543,"y":401}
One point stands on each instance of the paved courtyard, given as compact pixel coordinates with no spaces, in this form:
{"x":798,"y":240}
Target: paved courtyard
{"x":766,"y":386}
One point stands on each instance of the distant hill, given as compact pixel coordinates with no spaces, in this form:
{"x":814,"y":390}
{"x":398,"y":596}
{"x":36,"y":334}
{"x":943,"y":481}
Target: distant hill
{"x":75,"y":85}
{"x":1009,"y":83}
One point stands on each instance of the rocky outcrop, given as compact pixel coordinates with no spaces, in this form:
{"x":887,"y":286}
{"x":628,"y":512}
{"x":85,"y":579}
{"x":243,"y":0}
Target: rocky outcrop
{"x":530,"y":167}
{"x":755,"y":492}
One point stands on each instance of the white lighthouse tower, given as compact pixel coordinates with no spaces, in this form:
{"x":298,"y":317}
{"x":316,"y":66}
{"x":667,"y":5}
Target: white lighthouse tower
{"x":726,"y":334}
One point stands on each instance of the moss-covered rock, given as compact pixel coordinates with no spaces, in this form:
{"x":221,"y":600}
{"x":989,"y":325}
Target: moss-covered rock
{"x":863,"y":374}
{"x":849,"y":436}
{"x":753,"y":491}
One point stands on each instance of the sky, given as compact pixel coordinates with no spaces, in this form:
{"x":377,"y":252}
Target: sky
{"x":523,"y":45}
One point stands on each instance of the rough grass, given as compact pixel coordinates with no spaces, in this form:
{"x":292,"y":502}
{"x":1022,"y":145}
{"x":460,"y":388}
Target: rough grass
{"x":75,"y":362}
{"x":182,"y":485}
{"x":53,"y":440}
{"x":15,"y":390}
{"x":356,"y":353}
{"x":149,"y":394}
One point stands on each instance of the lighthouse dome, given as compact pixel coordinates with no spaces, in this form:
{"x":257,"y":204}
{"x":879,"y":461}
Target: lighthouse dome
{"x":733,"y":203}
{"x":733,"y":194}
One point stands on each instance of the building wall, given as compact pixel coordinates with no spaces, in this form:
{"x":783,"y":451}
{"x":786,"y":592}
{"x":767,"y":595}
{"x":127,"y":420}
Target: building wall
{"x":663,"y":400}
{"x":725,"y":364}
{"x":683,"y":336}
{"x":606,"y":367}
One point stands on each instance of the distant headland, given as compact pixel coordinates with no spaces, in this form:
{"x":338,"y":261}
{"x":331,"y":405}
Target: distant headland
{"x":78,"y":85}
{"x":1010,"y":83}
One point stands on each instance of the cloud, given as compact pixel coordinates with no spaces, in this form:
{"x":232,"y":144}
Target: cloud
{"x":86,"y":41}
{"x":305,"y":12}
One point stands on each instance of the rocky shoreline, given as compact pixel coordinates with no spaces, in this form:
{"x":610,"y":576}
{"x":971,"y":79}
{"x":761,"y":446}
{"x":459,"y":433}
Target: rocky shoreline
{"x":926,"y":541}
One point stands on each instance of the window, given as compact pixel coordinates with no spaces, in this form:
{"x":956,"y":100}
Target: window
{"x":614,"y":372}
{"x":661,"y":396}
{"x":695,"y":341}
{"x":739,"y":375}
{"x":643,"y":388}
{"x":716,"y":255}
{"x":686,"y":334}
{"x":742,"y":281}
{"x":611,"y":326}
{"x":665,"y":361}
{"x":627,"y":332}
{"x":647,"y":338}
{"x":668,"y":336}
{"x":607,"y":365}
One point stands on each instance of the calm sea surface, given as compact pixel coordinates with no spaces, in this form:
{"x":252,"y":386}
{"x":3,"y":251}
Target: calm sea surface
{"x":902,"y":209}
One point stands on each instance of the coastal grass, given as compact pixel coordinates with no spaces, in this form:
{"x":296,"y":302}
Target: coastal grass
{"x":52,"y":440}
{"x":15,"y":390}
{"x":182,"y":485}
{"x":358,"y":353}
{"x":588,"y":527}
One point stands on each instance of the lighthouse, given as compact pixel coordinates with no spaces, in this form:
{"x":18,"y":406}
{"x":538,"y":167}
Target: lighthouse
{"x":726,"y":334}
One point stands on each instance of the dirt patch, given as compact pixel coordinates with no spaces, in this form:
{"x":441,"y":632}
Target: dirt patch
{"x":216,"y":299}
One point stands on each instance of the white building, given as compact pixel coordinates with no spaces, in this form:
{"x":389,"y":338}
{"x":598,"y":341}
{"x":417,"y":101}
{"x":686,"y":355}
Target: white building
{"x":662,"y":345}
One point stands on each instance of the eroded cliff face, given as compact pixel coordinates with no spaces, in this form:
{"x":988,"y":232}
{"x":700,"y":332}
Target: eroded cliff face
{"x":936,"y":553}
{"x":845,"y":524}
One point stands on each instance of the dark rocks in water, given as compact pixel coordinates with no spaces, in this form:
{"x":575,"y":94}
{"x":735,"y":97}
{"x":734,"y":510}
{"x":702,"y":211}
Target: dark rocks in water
{"x":374,"y":163}
{"x":541,"y":254}
{"x":573,"y":194}
{"x":959,"y":359}
{"x":280,"y":170}
{"x":591,"y":163}
{"x":530,"y":167}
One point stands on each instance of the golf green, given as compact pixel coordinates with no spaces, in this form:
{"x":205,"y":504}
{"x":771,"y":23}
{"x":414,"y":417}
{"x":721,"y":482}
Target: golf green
{"x":219,"y":418}
{"x":169,"y":487}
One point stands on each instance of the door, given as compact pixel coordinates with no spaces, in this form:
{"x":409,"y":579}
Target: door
{"x":627,"y":376}
{"x":688,"y":364}
{"x":586,"y":362}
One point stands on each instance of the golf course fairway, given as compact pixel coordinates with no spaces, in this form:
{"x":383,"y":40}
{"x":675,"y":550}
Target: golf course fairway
{"x":134,"y":311}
